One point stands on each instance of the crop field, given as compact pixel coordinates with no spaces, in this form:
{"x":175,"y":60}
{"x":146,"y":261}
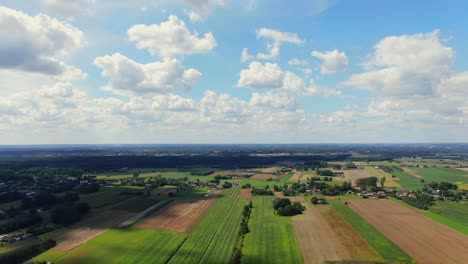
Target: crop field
{"x":272,"y":238}
{"x":136,"y":204}
{"x":104,"y":197}
{"x":353,"y":175}
{"x":120,"y":246}
{"x":221,"y":223}
{"x":179,"y":216}
{"x":245,"y":193}
{"x":381,"y":244}
{"x":408,"y":181}
{"x":389,"y":181}
{"x":441,"y":174}
{"x":317,"y":240}
{"x":167,"y":174}
{"x":263,"y":176}
{"x":452,"y":214}
{"x":418,"y":235}
{"x":355,"y":245}
{"x":90,"y":228}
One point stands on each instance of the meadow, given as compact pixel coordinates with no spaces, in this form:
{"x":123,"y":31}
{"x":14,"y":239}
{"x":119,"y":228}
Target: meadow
{"x":385,"y":247}
{"x":389,"y":181}
{"x":408,"y":181}
{"x":272,"y":238}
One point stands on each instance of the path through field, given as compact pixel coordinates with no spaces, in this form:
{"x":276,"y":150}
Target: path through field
{"x":422,"y":238}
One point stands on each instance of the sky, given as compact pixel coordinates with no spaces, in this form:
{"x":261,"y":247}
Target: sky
{"x":225,"y":71}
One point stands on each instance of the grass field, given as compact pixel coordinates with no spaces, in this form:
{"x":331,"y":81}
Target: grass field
{"x":441,"y":174}
{"x":136,"y":204}
{"x":214,"y":238}
{"x":452,"y":214}
{"x":385,"y":247}
{"x":120,"y":246}
{"x":104,"y":197}
{"x":166,"y":174}
{"x":272,"y":238}
{"x":389,"y":182}
{"x":408,"y":181}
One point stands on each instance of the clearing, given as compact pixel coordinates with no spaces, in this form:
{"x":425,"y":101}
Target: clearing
{"x":422,"y":238}
{"x":179,"y":216}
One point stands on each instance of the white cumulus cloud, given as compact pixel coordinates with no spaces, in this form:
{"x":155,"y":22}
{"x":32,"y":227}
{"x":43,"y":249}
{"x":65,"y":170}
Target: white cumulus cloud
{"x":130,"y":77}
{"x":332,"y":61}
{"x":170,"y":38}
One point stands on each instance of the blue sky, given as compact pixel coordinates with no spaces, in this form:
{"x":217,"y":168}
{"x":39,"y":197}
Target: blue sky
{"x":224,"y":71}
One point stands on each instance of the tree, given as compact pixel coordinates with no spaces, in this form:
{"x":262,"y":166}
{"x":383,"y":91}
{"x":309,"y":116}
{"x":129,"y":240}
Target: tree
{"x":367,"y":182}
{"x":382,"y":181}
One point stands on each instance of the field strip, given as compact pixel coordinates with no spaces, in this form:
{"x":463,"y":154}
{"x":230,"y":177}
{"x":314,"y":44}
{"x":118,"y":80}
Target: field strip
{"x":133,"y":220}
{"x":213,"y":226}
{"x":95,"y":226}
{"x":424,"y":239}
{"x":412,"y":173}
{"x":317,"y":240}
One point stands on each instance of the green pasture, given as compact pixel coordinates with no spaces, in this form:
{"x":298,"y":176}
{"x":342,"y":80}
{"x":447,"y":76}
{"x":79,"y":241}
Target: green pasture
{"x":436,"y":174}
{"x":271,"y":238}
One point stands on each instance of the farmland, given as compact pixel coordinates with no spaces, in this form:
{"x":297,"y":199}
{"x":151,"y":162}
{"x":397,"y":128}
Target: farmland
{"x":121,"y":246}
{"x":382,"y":245}
{"x":435,"y":174}
{"x":405,"y":226}
{"x":272,"y":238}
{"x":180,"y":216}
{"x":389,"y":181}
{"x":452,"y":214}
{"x":221,"y":223}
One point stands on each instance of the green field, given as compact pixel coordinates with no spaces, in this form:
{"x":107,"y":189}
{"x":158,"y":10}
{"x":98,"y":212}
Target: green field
{"x":104,"y":197}
{"x":452,"y":214}
{"x":385,"y":247}
{"x":272,"y":238}
{"x":389,"y":182}
{"x":120,"y":246}
{"x":408,"y":181}
{"x":166,"y":174}
{"x":136,"y":204}
{"x":441,"y":174}
{"x":214,"y":238}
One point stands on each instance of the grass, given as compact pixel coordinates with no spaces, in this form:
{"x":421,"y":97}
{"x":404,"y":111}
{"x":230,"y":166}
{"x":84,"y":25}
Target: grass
{"x":440,"y":174}
{"x":136,"y":204}
{"x":120,"y":246}
{"x":194,"y":193}
{"x":104,"y":197}
{"x":389,"y":182}
{"x":408,"y":181}
{"x":385,"y":247}
{"x":166,"y":174}
{"x":214,"y":238}
{"x":452,"y":214}
{"x":272,"y":238}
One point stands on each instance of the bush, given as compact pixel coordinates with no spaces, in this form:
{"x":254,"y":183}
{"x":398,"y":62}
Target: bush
{"x":284,"y":207}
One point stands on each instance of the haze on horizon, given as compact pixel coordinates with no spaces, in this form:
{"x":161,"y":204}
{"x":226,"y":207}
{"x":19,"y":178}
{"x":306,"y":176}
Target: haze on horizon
{"x":220,"y":71}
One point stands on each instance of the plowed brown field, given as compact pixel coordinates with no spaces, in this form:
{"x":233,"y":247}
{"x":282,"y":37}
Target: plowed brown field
{"x":353,"y":175}
{"x":317,"y":240}
{"x":178,"y":216}
{"x":422,"y":238}
{"x":245,"y":193}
